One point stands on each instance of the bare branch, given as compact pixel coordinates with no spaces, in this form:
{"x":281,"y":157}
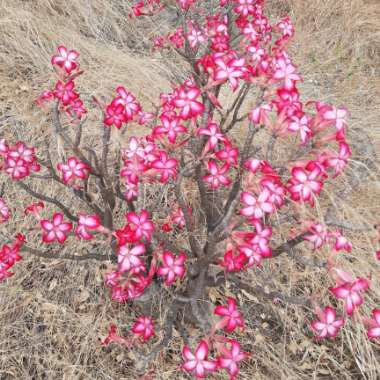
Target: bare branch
{"x":78,"y":135}
{"x":48,"y":199}
{"x":179,"y":195}
{"x":49,"y":254}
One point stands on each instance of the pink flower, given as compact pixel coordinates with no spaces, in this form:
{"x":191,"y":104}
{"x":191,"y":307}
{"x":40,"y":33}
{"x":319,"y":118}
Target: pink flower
{"x":303,"y":184}
{"x":257,"y":207}
{"x":245,"y":7}
{"x":65,"y":92}
{"x":20,"y":150}
{"x":214,"y":134}
{"x":185,"y":99}
{"x":216,"y":178}
{"x":257,"y":248}
{"x":75,"y":109}
{"x":339,"y":161}
{"x":172,"y":267}
{"x":87,"y":223}
{"x":276,"y":189}
{"x":232,"y":70}
{"x":287,"y":72}
{"x":231,"y":316}
{"x":341,"y":242}
{"x":140,"y":225}
{"x":16,"y":168}
{"x":259,"y":115}
{"x":65,"y":59}
{"x":328,"y":325}
{"x":170,"y":127}
{"x":229,"y":360}
{"x":55,"y":229}
{"x":300,"y":124}
{"x":338,"y":115}
{"x":130,"y":106}
{"x":4,"y":211}
{"x":195,"y":36}
{"x":144,"y":327}
{"x":34,"y":208}
{"x":319,"y":235}
{"x":4,"y":148}
{"x":113,"y":338}
{"x":233,"y":263}
{"x":131,"y":189}
{"x":185,"y":4}
{"x":178,"y":218}
{"x":128,"y":258}
{"x":229,"y":154}
{"x":165,"y":166}
{"x":253,"y":165}
{"x":373,"y":331}
{"x":9,"y":256}
{"x":350,"y":291}
{"x":73,"y":168}
{"x":115,"y":115}
{"x":197,"y":363}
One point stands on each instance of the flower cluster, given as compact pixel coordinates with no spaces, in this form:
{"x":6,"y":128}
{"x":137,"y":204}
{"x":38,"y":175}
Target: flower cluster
{"x":67,"y":67}
{"x":229,"y":350}
{"x":129,"y":281}
{"x":57,"y":230}
{"x":320,"y":235}
{"x":143,"y":161}
{"x":123,"y":109}
{"x":9,"y":255}
{"x":18,"y":160}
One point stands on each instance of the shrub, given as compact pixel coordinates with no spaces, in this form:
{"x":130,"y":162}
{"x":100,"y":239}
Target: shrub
{"x":214,"y":188}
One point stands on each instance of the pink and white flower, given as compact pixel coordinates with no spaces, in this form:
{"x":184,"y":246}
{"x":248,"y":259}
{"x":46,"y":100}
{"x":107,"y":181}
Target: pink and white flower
{"x":257,"y":207}
{"x":328,"y":325}
{"x":229,"y":360}
{"x":56,"y":229}
{"x":350,"y":290}
{"x":217,"y":177}
{"x":231,"y":317}
{"x":66,"y":59}
{"x":172,"y":267}
{"x":304,"y":184}
{"x":129,"y":258}
{"x":373,"y":324}
{"x":197,"y":363}
{"x":86,"y":224}
{"x":73,"y":168}
{"x":144,"y":327}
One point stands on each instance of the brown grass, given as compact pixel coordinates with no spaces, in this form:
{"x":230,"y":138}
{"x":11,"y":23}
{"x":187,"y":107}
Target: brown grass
{"x":52,"y":313}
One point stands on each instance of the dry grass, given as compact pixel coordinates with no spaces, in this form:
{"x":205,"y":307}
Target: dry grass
{"x":53,"y":313}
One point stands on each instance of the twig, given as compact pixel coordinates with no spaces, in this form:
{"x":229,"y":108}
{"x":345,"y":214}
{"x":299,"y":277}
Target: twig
{"x":235,"y":118}
{"x":289,"y":245}
{"x":272,"y":295}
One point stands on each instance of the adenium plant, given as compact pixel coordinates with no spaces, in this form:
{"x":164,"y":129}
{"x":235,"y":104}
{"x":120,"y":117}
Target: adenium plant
{"x":224,"y":150}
